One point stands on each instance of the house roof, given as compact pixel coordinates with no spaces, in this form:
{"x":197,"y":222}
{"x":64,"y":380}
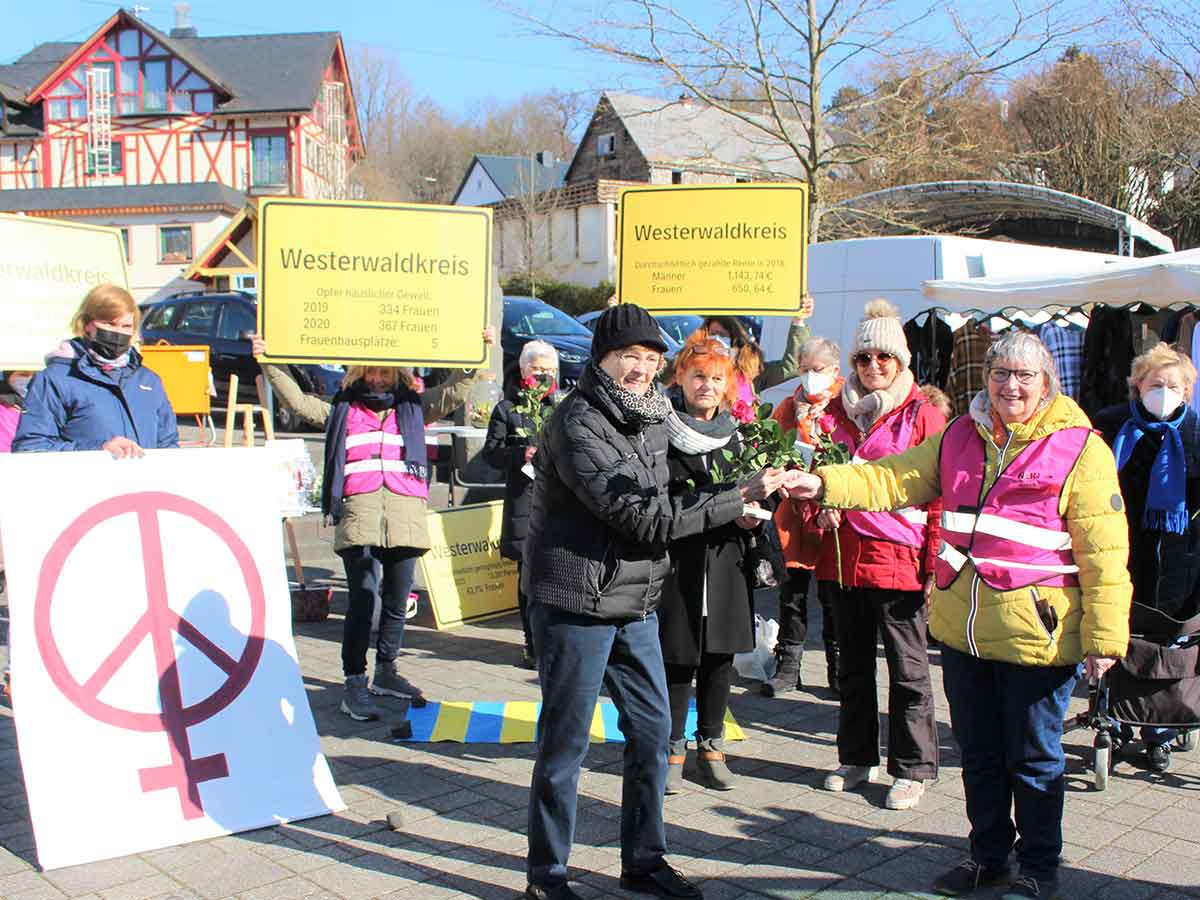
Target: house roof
{"x":1027,"y":212}
{"x":512,"y":174}
{"x":257,"y":73}
{"x":112,"y":197}
{"x":688,"y":133}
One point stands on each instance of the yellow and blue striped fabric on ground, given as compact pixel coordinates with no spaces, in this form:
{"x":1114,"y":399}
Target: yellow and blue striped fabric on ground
{"x":515,"y":722}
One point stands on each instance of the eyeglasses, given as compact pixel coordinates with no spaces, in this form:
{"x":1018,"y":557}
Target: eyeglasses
{"x":1024,"y":376}
{"x":653,"y":360}
{"x":865,"y":359}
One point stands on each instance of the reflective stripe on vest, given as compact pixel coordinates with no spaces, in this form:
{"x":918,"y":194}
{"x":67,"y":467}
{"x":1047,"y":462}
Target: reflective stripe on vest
{"x":375,"y":457}
{"x":901,"y":526}
{"x":1017,"y":537}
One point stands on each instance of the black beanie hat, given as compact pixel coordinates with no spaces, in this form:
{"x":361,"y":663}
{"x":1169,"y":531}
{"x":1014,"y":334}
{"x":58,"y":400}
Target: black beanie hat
{"x":623,"y":326}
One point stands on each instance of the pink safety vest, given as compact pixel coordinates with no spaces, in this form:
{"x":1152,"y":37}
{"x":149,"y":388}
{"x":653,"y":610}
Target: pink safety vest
{"x":1014,"y":536}
{"x":375,"y":456}
{"x":902,"y":526}
{"x":9,"y":417}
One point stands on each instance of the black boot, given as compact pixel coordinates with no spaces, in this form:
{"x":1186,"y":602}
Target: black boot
{"x":676,"y":756}
{"x":831,"y":668}
{"x":787,"y":671}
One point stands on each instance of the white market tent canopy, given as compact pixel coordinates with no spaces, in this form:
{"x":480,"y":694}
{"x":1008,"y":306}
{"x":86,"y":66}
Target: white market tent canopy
{"x":1158,"y":280}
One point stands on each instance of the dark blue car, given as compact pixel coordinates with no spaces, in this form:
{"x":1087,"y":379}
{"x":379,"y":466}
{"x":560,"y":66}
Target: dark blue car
{"x":527,"y":319}
{"x":224,"y":323}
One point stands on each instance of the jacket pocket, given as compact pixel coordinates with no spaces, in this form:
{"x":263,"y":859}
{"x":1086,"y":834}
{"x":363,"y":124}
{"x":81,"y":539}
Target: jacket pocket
{"x":1044,"y":614}
{"x":610,"y":565}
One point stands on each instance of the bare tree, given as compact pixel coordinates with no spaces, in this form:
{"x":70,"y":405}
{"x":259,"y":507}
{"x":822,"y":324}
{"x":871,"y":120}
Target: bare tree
{"x":783,"y":52}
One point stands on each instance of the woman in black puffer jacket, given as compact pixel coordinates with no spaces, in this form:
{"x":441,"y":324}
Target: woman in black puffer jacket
{"x":595,"y":560}
{"x":509,"y":451}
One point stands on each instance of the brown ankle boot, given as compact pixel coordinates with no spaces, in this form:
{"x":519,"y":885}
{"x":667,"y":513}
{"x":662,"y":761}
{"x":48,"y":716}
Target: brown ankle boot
{"x":710,"y":763}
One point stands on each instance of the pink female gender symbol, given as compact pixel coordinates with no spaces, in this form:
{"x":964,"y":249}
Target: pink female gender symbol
{"x":183,"y":773}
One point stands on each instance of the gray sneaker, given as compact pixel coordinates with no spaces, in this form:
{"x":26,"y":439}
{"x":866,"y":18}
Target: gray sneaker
{"x":390,"y":683}
{"x":356,"y":700}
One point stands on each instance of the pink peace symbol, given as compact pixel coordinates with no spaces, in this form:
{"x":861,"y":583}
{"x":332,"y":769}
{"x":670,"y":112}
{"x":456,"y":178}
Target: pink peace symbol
{"x":158,"y":621}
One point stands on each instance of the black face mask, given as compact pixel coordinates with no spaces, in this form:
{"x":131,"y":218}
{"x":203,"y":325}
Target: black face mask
{"x":376,"y":401}
{"x":109,"y":344}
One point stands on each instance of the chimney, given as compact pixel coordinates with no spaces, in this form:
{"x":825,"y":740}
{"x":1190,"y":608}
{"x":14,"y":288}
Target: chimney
{"x":544,"y":157}
{"x":183,"y":24}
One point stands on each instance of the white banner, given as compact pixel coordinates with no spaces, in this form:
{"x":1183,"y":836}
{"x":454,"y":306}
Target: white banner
{"x":156,"y":688}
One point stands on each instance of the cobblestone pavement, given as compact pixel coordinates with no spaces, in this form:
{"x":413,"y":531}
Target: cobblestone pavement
{"x":463,"y":806}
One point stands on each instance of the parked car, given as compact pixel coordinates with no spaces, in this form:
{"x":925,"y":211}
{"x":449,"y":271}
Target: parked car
{"x":527,"y":318}
{"x":224,"y":323}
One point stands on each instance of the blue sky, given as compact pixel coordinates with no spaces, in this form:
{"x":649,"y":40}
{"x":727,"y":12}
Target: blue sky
{"x":459,"y":52}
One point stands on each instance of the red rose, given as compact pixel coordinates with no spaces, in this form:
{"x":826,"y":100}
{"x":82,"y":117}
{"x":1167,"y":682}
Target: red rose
{"x":529,"y":382}
{"x":743,"y":411}
{"x":827,"y":423}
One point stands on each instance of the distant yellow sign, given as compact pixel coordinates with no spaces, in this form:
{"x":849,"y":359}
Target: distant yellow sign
{"x":714,"y":248}
{"x":463,"y":571}
{"x":382,"y":283}
{"x":46,"y":268}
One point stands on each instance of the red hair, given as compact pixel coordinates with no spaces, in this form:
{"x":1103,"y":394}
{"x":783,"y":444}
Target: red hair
{"x":711,"y":357}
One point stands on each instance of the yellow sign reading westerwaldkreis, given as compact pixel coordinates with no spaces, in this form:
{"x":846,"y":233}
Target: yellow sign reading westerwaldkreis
{"x":714,"y":248}
{"x":463,"y":571}
{"x":46,"y":268}
{"x":384,"y":283}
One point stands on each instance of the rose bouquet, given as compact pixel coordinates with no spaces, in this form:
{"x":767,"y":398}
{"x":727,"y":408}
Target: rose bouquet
{"x":532,"y":406}
{"x":766,"y":444}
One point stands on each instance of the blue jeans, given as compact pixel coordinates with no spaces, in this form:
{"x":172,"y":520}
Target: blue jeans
{"x":576,"y":654}
{"x":1008,"y":720}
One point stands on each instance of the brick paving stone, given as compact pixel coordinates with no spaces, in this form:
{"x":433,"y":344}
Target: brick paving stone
{"x":230,"y":875}
{"x":100,"y":875}
{"x":1171,"y":870}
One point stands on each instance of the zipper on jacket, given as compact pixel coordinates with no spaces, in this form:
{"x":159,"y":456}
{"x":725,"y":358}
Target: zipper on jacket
{"x":972,"y":611}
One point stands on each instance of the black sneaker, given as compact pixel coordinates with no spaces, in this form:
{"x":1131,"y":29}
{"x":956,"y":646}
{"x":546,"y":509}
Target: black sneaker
{"x":558,"y":892}
{"x":969,"y":876}
{"x":1028,"y":887}
{"x":1158,"y":757}
{"x":665,"y":881}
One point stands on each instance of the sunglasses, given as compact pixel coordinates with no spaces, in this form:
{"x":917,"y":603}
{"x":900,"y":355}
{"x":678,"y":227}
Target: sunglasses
{"x":865,"y":359}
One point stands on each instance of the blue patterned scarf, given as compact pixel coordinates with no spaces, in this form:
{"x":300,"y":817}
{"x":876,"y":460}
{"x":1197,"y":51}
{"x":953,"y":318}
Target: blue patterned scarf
{"x":1166,"y":495}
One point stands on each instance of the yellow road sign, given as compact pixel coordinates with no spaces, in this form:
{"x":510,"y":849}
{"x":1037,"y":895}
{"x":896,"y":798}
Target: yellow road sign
{"x":739,"y":248}
{"x":382,"y":283}
{"x":46,"y":268}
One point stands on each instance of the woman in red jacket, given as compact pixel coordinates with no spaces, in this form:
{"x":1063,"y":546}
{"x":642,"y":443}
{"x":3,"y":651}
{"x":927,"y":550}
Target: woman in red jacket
{"x":881,"y":562}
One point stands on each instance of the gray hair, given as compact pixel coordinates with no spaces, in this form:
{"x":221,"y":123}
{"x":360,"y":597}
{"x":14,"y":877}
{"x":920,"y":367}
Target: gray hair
{"x":1026,"y":348}
{"x":534,"y":350}
{"x":821,"y":348}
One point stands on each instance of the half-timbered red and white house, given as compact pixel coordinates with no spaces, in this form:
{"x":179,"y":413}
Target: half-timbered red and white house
{"x":165,"y":135}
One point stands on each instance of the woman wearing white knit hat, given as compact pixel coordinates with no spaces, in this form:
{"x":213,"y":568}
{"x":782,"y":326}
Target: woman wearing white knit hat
{"x":880,"y":563}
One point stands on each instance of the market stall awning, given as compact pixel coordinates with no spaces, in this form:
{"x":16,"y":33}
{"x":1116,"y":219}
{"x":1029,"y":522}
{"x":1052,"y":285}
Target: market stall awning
{"x":1159,"y":280}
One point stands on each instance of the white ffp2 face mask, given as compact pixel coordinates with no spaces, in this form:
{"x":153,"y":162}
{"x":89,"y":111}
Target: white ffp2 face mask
{"x":1162,"y":402}
{"x":815,"y":383}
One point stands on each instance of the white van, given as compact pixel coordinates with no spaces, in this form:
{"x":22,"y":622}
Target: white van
{"x":844,"y":275}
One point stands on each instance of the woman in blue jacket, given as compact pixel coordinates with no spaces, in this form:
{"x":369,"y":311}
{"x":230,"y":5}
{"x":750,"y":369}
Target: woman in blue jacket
{"x":95,"y":393}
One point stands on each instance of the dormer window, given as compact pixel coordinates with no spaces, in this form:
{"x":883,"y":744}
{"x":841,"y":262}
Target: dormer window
{"x":606,"y":144}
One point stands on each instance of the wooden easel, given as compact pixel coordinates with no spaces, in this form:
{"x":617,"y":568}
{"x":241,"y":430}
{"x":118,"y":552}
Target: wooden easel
{"x":248,"y":411}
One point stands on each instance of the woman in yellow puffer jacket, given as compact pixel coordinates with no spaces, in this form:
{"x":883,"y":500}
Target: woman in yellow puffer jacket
{"x":1031,"y":580}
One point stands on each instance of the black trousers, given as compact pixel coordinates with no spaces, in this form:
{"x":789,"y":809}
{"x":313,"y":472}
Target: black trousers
{"x":393,"y":582}
{"x":793,"y":609}
{"x":862,"y":616}
{"x":523,"y":608}
{"x":714,"y":677}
